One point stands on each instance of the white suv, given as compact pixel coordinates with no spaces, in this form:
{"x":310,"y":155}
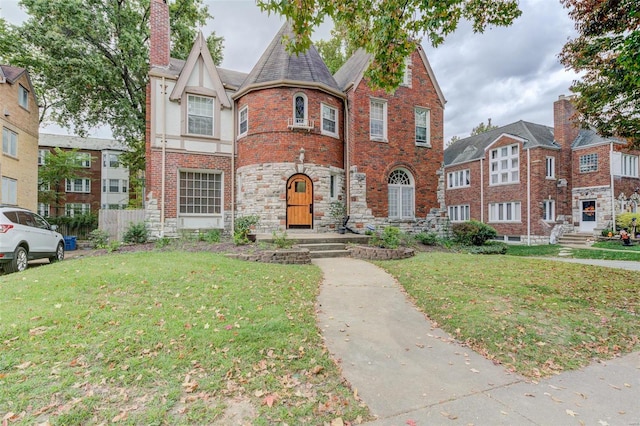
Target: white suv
{"x":24,"y":236}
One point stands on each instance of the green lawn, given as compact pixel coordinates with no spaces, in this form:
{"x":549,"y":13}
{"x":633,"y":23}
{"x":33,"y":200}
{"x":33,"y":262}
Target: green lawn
{"x":166,"y":338}
{"x":611,"y":250}
{"x":534,"y":316}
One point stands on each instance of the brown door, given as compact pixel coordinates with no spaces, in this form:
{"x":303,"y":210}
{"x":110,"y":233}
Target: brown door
{"x":299,"y":202}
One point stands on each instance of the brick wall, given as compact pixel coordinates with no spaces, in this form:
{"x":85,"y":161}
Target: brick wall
{"x":23,"y":122}
{"x":268,"y":139}
{"x":376,"y":160}
{"x":600,"y":177}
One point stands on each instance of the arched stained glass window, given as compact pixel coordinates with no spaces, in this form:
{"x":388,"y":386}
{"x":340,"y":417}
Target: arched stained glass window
{"x":300,"y":109}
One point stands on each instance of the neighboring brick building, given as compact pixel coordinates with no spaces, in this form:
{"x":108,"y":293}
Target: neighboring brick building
{"x":102,"y":183}
{"x":526,"y":179}
{"x":277,"y":142}
{"x":19,"y":119}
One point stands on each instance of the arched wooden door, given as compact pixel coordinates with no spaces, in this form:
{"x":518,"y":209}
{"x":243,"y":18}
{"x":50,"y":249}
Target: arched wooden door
{"x":299,"y":202}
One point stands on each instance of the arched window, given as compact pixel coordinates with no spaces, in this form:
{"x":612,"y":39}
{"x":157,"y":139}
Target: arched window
{"x":300,"y":110}
{"x":401,"y":195}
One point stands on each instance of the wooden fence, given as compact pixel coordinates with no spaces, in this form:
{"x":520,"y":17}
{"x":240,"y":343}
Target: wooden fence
{"x":116,"y":222}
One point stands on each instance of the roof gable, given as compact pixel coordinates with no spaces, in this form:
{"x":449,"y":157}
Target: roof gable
{"x":352,"y":71}
{"x":473,"y":148}
{"x":200,"y":52}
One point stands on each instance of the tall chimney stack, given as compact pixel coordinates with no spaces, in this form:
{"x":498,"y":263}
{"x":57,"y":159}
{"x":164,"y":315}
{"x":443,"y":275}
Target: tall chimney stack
{"x":565,"y":130}
{"x":160,"y":44}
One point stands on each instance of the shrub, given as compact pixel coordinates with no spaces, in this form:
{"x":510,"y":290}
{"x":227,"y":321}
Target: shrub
{"x":390,"y":238}
{"x":99,"y":238}
{"x":623,"y":220}
{"x":136,"y":233}
{"x":473,"y":233}
{"x":211,"y":236}
{"x":281,"y":241}
{"x":242,"y":228}
{"x":427,"y":238}
{"x":489,"y":248}
{"x":162,"y":242}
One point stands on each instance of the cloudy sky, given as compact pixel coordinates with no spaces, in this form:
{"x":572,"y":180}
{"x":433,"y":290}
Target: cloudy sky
{"x":506,"y":74}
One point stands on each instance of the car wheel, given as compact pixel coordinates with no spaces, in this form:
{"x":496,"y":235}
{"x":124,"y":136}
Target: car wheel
{"x":19,"y":261}
{"x":59,"y":254}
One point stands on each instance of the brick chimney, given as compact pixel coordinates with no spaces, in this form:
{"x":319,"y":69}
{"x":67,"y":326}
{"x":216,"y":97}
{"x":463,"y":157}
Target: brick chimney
{"x":565,"y":131}
{"x":160,"y":45}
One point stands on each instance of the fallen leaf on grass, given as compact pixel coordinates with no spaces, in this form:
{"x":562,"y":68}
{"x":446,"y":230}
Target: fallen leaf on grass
{"x":119,"y":417}
{"x":269,"y":400}
{"x":337,"y":422}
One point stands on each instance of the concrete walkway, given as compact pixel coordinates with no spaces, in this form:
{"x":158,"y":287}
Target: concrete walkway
{"x":410,"y":372}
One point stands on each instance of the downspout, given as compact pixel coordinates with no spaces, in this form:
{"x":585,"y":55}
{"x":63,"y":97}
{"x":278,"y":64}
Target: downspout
{"x":482,"y":190}
{"x":613,"y":191}
{"x":347,"y":157}
{"x":164,"y":150}
{"x":528,"y":197}
{"x":233,"y":166}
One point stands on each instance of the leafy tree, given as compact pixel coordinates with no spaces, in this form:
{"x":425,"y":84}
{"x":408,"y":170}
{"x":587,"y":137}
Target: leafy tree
{"x":453,"y":140}
{"x":607,"y":55}
{"x":89,"y":60}
{"x":482,"y":128}
{"x":58,"y":166}
{"x":389,"y":30}
{"x":337,"y":49}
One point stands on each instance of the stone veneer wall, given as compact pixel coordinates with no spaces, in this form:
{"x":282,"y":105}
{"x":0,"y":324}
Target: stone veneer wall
{"x":283,"y":257}
{"x":602,"y":195}
{"x":261,"y":190}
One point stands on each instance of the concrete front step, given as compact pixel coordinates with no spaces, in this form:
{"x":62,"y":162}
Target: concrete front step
{"x":323,"y":254}
{"x":323,"y":246}
{"x":575,"y":238}
{"x":318,"y":238}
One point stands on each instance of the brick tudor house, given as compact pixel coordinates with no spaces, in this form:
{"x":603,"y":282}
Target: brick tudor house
{"x":533,"y":182}
{"x":287,"y":141}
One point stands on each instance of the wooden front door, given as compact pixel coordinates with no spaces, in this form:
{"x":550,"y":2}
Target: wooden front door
{"x":299,"y":202}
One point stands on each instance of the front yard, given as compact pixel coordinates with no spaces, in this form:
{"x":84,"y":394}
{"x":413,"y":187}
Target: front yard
{"x":183,"y":337}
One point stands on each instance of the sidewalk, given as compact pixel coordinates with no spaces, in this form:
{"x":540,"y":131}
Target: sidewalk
{"x":409,"y":372}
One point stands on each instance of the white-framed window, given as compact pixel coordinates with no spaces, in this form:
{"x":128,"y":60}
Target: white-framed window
{"x":550,"y":168}
{"x":43,"y":209}
{"x":300,"y":110}
{"x":459,"y":213}
{"x":549,"y":210}
{"x":43,"y":186}
{"x":115,"y":185}
{"x":401,"y":195}
{"x":459,"y":179}
{"x":329,"y":120}
{"x":9,"y":191}
{"x":76,"y":209}
{"x":629,"y":165}
{"x":505,"y":165}
{"x":42,"y":155}
{"x":9,"y":142}
{"x":83,"y":159}
{"x":200,"y":192}
{"x":378,"y":120}
{"x":423,"y":121}
{"x":406,"y":74}
{"x":243,"y":120}
{"x":504,"y":212}
{"x":110,"y":160}
{"x":78,"y":185}
{"x":23,"y":97}
{"x":200,"y":111}
{"x":589,"y":163}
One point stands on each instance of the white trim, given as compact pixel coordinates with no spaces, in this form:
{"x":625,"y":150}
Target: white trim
{"x":322,"y":120}
{"x":383,"y":103}
{"x":245,"y":110}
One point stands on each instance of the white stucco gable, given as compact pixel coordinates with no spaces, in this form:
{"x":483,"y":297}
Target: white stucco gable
{"x":200,"y":75}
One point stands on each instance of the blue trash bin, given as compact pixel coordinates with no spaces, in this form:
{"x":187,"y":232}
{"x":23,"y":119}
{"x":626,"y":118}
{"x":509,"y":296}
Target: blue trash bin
{"x":69,"y":243}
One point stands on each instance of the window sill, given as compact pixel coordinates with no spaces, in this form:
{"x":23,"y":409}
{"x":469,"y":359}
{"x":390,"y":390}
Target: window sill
{"x":402,"y":220}
{"x":504,"y":184}
{"x":423,"y":145}
{"x":331,"y":135}
{"x":384,"y":140}
{"x":459,"y":187}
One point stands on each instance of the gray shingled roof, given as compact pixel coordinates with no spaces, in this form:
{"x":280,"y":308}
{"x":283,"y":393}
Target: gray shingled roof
{"x":11,"y":73}
{"x":276,"y":65}
{"x":351,"y":70}
{"x":473,"y":147}
{"x":588,"y":137}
